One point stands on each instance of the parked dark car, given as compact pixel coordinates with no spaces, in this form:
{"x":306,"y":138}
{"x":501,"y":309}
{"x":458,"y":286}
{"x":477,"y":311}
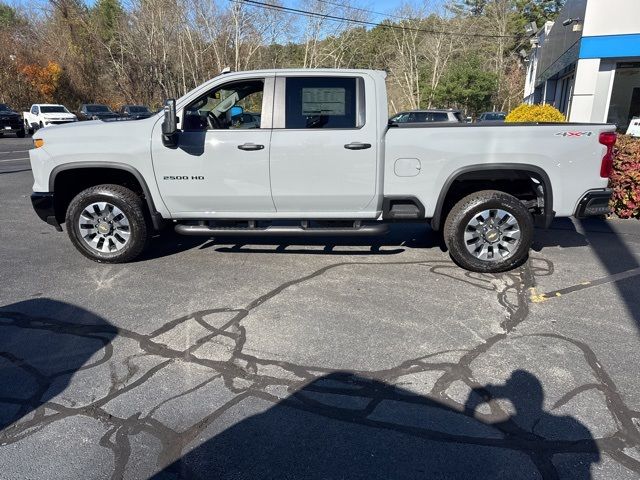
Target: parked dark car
{"x":428,"y":116}
{"x":10,"y":121}
{"x":492,"y":117}
{"x":135,"y":111}
{"x":95,"y":111}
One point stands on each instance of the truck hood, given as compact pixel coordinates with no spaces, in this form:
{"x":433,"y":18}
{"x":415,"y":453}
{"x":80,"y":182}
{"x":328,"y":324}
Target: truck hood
{"x":93,"y":136}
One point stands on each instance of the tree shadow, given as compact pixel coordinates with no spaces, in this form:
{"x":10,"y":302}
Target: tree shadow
{"x":343,"y":426}
{"x":43,"y":343}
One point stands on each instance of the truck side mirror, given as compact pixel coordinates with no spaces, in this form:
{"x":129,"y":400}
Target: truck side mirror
{"x":170,"y":124}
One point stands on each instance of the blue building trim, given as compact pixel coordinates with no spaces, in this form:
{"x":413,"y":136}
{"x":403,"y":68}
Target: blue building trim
{"x":610,"y":46}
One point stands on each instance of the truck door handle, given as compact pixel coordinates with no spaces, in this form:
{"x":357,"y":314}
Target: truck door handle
{"x":357,"y":146}
{"x":250,"y":146}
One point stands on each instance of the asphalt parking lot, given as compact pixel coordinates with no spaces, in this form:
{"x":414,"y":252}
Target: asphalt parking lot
{"x":337,"y":359}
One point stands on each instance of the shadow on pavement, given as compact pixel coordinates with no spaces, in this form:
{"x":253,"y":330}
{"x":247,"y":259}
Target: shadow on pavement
{"x":561,"y":233}
{"x":43,"y":343}
{"x":615,"y":256}
{"x":609,"y":247}
{"x":343,"y":426}
{"x":411,"y":235}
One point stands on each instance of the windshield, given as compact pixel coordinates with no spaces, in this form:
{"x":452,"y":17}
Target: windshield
{"x":53,"y":109}
{"x":98,"y":108}
{"x":494,"y":116}
{"x":138,"y":109}
{"x":4,"y":108}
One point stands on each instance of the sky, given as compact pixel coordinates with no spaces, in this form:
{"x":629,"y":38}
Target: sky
{"x":381,"y":6}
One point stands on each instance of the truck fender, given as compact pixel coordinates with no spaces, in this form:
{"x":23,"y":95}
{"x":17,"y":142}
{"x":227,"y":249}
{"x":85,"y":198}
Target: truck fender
{"x":156,"y":218}
{"x":534,"y":170}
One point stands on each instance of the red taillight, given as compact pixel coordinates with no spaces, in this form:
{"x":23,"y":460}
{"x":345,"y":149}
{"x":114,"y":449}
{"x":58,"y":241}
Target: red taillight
{"x":608,"y":139}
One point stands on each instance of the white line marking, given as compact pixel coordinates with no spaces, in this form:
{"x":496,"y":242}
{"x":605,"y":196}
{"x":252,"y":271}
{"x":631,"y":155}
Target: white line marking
{"x":14,"y":159}
{"x":15,"y":151}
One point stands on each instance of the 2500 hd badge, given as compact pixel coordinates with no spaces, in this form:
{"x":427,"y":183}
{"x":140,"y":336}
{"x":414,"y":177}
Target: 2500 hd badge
{"x":183,"y":177}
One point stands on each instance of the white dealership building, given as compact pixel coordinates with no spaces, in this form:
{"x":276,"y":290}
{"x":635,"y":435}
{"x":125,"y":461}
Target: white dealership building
{"x":587,"y":63}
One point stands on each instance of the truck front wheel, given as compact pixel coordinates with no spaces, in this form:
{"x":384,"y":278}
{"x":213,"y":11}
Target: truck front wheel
{"x":106,"y":223}
{"x":488,"y":231}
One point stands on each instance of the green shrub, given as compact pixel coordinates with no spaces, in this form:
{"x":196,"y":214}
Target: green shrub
{"x":535,"y":113}
{"x":625,"y":179}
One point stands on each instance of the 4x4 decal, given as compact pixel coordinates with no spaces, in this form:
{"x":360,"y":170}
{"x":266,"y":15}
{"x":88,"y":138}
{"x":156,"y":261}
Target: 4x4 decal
{"x":574,"y":134}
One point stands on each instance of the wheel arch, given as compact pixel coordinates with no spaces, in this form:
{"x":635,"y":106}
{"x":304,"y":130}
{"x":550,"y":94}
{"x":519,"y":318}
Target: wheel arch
{"x":502,"y":171}
{"x":92,"y":168}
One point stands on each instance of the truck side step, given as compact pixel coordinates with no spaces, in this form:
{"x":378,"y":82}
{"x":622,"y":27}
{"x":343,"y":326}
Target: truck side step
{"x":303,"y":230}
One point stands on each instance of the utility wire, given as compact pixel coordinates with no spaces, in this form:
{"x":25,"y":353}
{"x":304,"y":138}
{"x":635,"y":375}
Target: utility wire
{"x":358,"y":9}
{"x":307,"y":13}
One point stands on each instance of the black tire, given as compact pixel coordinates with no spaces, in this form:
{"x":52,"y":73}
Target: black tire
{"x":21,"y":133}
{"x":464,"y":212}
{"x":130,"y":204}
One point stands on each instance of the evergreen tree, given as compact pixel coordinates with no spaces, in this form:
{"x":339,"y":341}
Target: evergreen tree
{"x":468,"y":85}
{"x":107,"y":14}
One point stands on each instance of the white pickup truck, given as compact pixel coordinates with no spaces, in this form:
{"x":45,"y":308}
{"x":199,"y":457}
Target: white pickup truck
{"x":42,"y":115}
{"x":322,"y":160}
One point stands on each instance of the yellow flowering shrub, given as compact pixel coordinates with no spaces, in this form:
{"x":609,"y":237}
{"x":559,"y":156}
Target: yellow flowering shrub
{"x":535,"y":113}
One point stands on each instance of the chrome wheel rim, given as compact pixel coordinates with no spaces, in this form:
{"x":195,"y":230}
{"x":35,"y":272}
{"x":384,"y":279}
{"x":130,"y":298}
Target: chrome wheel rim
{"x":492,"y":235}
{"x":104,"y":227}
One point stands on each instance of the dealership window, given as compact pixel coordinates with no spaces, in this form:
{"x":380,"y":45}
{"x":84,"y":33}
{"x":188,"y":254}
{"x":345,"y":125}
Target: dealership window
{"x":323,"y":102}
{"x":566,"y":91}
{"x":625,"y":95}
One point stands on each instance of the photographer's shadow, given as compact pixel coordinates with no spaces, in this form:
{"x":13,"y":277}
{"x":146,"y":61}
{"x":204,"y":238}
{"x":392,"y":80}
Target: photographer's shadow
{"x":43,"y":343}
{"x":530,"y":424}
{"x":343,"y":426}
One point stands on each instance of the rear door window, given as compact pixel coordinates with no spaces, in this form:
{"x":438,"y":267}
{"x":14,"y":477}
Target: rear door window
{"x":321,"y":102}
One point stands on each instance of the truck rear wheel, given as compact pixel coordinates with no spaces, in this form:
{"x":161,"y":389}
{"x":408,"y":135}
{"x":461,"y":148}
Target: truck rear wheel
{"x":488,"y":231}
{"x":106,"y":223}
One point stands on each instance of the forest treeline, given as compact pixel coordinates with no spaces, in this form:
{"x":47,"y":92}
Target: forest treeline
{"x":461,"y":53}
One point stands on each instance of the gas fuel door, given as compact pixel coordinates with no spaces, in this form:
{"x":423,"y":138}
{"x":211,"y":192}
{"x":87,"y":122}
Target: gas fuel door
{"x":407,"y":167}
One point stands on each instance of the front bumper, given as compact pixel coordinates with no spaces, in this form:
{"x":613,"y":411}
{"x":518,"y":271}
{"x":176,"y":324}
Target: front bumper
{"x":58,"y":122}
{"x":43,"y":204}
{"x":594,"y":203}
{"x":11,"y":126}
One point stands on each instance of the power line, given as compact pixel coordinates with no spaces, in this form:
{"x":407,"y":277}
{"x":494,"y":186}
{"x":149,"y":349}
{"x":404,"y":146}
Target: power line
{"x":307,"y":13}
{"x":358,"y":9}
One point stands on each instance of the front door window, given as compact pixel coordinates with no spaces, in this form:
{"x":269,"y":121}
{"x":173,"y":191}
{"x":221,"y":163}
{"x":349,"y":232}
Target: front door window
{"x":232,"y":106}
